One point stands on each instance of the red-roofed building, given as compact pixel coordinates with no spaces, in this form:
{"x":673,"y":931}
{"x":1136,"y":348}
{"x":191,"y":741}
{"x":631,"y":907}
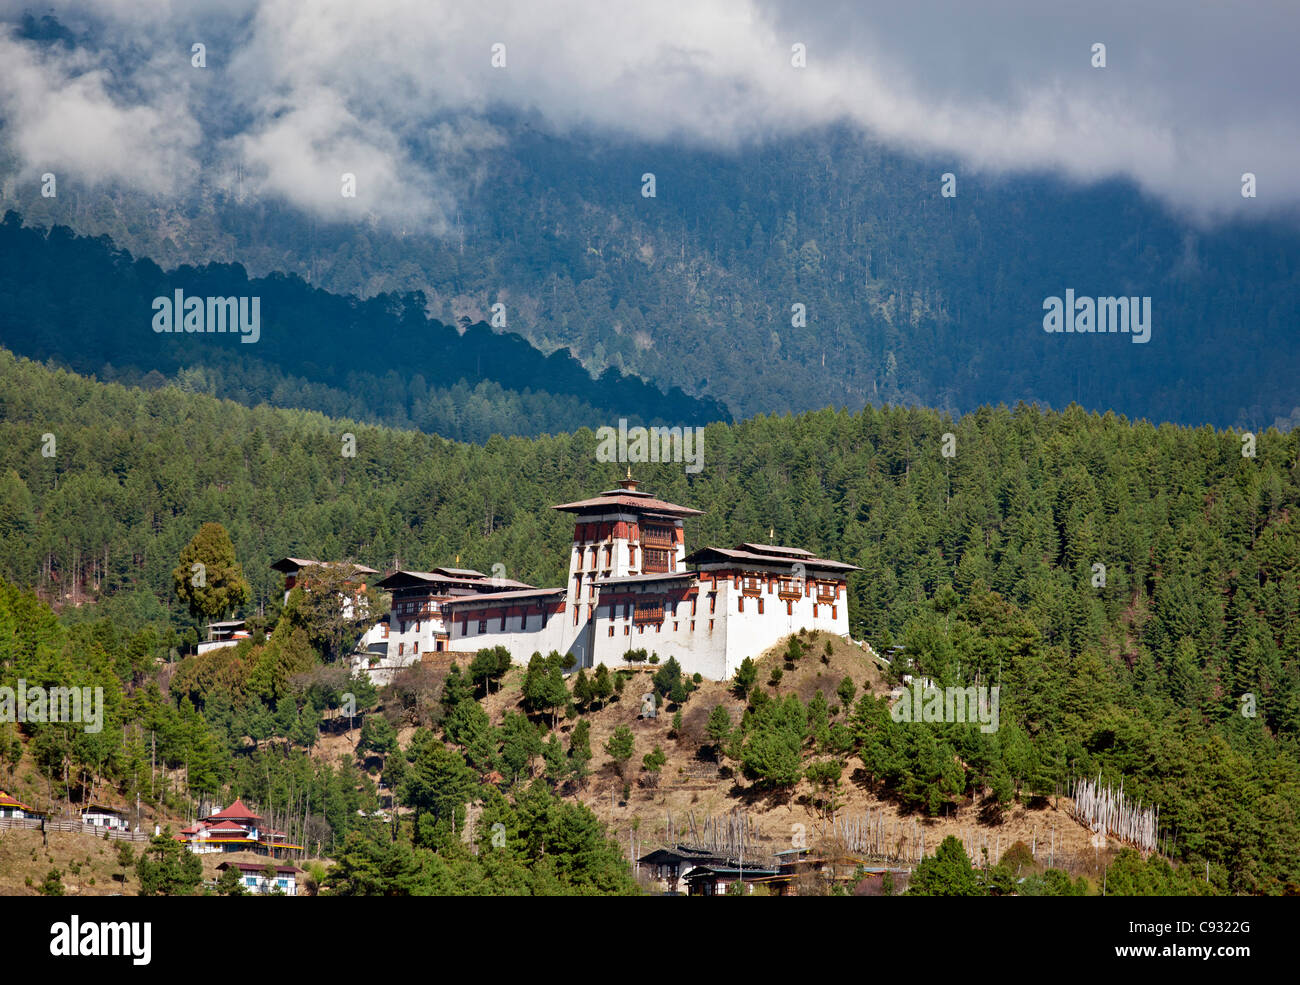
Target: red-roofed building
{"x":235,"y":829}
{"x":235,"y":812}
{"x":14,"y":808}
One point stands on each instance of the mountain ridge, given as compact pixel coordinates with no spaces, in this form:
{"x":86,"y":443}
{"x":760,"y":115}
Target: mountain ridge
{"x":908,"y":297}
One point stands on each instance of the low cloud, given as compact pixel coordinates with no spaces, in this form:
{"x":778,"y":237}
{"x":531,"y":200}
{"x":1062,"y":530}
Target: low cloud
{"x":61,"y":115}
{"x":301,"y":92}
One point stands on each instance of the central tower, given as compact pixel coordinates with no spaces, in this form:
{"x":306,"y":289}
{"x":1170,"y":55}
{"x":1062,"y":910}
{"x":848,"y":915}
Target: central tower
{"x":622,"y":532}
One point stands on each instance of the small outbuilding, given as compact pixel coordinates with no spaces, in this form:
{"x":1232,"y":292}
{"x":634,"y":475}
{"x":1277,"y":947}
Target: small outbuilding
{"x":105,"y":817}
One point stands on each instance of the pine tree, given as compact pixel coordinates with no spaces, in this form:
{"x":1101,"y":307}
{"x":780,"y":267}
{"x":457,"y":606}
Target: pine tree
{"x":553,"y":756}
{"x":556,"y":694}
{"x":654,"y":760}
{"x":620,"y":747}
{"x":580,"y":750}
{"x":521,"y":744}
{"x":581,"y":689}
{"x":718,"y":728}
{"x":455,"y":689}
{"x":846,"y":690}
{"x":602,"y":685}
{"x":746,"y":677}
{"x":489,"y":665}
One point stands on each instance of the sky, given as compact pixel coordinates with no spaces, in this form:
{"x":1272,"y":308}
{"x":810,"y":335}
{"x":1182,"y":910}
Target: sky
{"x":296,"y":93}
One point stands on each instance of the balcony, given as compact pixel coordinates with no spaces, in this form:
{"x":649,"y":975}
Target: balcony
{"x":663,"y":540}
{"x":648,"y":612}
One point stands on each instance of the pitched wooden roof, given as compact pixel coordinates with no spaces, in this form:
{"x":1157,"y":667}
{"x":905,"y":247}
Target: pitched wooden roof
{"x":289,"y":564}
{"x":627,"y":497}
{"x":713,"y":554}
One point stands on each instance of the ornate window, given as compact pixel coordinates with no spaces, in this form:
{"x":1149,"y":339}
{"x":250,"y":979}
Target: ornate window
{"x":656,"y":561}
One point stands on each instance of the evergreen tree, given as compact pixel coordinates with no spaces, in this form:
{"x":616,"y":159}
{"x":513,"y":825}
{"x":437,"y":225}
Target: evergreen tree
{"x":455,"y":689}
{"x":846,"y":691}
{"x":208,"y":578}
{"x":620,"y":747}
{"x":746,"y":677}
{"x":602,"y":685}
{"x":167,"y":868}
{"x":580,"y":750}
{"x":489,"y":665}
{"x":553,"y":756}
{"x":948,"y":872}
{"x":718,"y":728}
{"x":521,"y":744}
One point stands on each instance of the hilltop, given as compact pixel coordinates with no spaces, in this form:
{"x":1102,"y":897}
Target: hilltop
{"x":693,"y":781}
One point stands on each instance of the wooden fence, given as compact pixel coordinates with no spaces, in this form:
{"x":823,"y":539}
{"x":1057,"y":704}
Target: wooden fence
{"x":72,"y":825}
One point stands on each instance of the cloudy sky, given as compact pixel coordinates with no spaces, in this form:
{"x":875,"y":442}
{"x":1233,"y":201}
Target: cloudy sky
{"x":300,"y":91}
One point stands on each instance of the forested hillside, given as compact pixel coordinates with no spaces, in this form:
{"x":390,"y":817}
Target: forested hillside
{"x":89,"y":306}
{"x":988,"y":562}
{"x":910,"y":297}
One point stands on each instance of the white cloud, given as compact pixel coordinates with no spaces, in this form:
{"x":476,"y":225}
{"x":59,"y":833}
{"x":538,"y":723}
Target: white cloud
{"x":61,"y":116}
{"x":1185,"y":105}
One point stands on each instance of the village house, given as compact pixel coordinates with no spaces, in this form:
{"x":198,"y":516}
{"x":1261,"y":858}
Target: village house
{"x":12,"y":808}
{"x":668,"y":866}
{"x":104,"y":817}
{"x":792,"y":872}
{"x":255,"y":879}
{"x":296,"y":572}
{"x":223,"y":634}
{"x":717,"y":878}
